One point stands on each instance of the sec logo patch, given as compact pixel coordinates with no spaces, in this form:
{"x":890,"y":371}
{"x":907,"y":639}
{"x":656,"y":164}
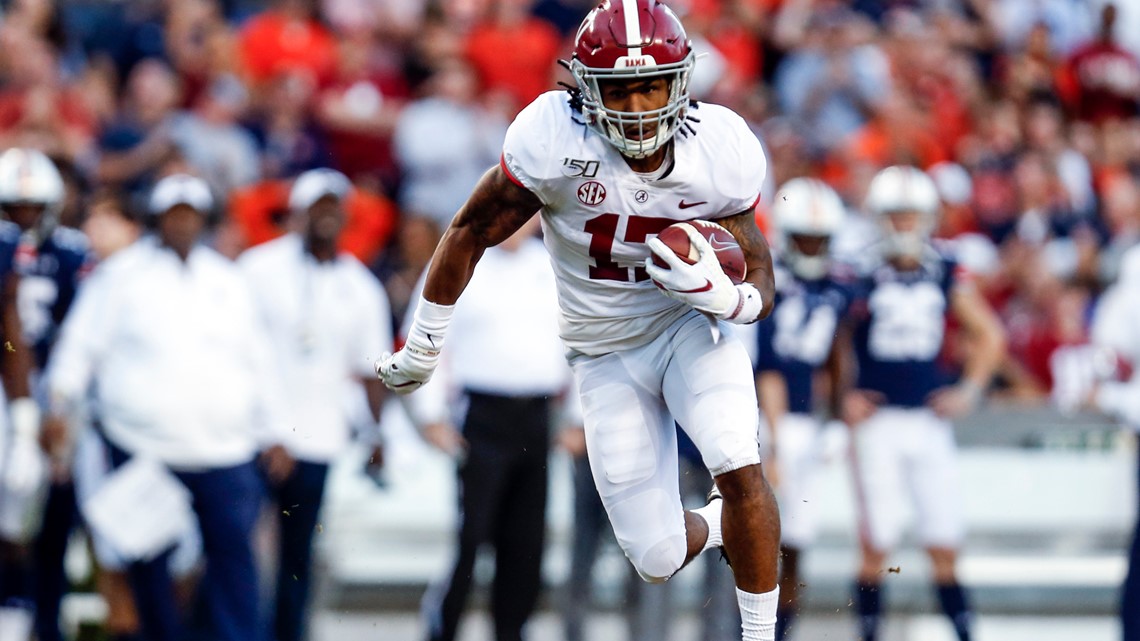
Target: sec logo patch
{"x":591,"y":193}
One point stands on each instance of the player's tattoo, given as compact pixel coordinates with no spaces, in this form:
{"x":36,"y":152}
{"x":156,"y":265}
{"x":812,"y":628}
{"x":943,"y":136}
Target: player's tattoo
{"x":496,"y":209}
{"x":756,"y":254}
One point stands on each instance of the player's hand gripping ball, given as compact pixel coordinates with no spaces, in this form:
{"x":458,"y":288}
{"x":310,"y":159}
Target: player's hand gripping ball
{"x":701,"y":265}
{"x":728,"y":252}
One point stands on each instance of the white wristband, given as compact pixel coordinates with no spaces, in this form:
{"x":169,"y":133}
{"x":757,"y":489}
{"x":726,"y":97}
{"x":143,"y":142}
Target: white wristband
{"x":429,"y":327}
{"x":25,"y":416}
{"x":748,"y":307}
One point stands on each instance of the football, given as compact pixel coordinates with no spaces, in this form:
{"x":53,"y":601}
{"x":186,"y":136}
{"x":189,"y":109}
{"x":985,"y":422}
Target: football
{"x":727,"y":250}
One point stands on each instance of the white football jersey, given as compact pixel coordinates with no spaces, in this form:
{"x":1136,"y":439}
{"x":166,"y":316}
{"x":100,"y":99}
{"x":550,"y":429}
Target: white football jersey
{"x":597,"y":212}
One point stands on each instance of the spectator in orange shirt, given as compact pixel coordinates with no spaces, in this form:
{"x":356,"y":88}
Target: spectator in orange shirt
{"x":533,"y":45}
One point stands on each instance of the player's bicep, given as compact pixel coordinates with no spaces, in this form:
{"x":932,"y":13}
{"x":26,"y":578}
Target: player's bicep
{"x":757,"y":255}
{"x":497,"y":208}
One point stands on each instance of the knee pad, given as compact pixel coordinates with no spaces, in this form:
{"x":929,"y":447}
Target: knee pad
{"x":661,"y":561}
{"x":650,"y":527}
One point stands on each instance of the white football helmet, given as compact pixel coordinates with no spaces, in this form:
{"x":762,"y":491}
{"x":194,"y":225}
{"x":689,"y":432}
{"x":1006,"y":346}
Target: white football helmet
{"x":902,"y":189}
{"x":28,"y":177}
{"x":806,"y":207}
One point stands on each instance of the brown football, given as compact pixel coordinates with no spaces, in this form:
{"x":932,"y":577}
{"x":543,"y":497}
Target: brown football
{"x":727,"y":250}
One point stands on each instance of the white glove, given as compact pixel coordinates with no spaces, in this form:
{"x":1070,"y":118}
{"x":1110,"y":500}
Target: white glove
{"x":26,"y":466}
{"x":703,"y":285}
{"x":408,"y":369}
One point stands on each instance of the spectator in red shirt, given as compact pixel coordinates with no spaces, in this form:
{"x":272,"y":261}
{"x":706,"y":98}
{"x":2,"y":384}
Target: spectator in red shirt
{"x":1102,"y":79}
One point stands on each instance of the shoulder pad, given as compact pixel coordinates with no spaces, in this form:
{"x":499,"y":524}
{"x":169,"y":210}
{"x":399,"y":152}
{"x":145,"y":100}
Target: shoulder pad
{"x":70,"y":239}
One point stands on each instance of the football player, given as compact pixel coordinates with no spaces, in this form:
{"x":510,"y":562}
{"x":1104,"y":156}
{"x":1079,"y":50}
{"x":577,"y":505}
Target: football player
{"x":608,"y":164}
{"x":31,"y":191}
{"x":797,"y":342}
{"x":904,"y":398}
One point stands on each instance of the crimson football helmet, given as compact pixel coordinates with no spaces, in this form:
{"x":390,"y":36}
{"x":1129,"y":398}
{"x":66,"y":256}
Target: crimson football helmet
{"x":626,"y":40}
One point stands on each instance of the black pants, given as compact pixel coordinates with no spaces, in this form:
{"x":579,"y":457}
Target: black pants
{"x":50,"y":548}
{"x":226,"y":501}
{"x":298,"y":502}
{"x":502,"y":501}
{"x":1130,"y":600}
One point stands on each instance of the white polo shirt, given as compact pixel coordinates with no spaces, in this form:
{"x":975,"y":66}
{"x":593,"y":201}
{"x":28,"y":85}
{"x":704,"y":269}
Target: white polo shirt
{"x":327,"y":323}
{"x":503,"y":336}
{"x":176,"y":355}
{"x":1116,"y":325}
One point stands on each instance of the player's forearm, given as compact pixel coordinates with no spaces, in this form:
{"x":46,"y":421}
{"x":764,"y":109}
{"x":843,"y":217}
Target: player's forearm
{"x":773,"y":396}
{"x":980,"y":368}
{"x":840,"y":369}
{"x":374,"y":392}
{"x":17,"y":357}
{"x":985,"y":357}
{"x":757,"y":256}
{"x":452,"y":265}
{"x":987,"y":338}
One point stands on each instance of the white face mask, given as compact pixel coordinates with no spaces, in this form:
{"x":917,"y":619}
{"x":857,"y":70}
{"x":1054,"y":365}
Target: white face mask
{"x":612,"y":124}
{"x":906,"y":244}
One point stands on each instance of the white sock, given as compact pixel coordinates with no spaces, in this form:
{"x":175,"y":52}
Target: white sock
{"x":711,"y":514}
{"x":758,"y":614}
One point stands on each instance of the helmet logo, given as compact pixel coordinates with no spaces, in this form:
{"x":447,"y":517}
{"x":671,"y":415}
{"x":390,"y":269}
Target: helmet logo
{"x":591,"y":193}
{"x":629,"y":62}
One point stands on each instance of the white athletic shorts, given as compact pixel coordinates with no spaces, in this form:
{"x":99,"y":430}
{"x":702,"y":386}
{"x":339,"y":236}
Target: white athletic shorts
{"x":629,"y":401}
{"x":905,"y":461}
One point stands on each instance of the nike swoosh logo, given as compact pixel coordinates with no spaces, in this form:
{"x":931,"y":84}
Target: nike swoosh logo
{"x":431,"y":339}
{"x":717,"y":243}
{"x":685,"y":205}
{"x":703,"y":288}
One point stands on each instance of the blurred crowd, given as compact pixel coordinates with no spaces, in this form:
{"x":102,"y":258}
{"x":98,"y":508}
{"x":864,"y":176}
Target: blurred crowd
{"x":1025,"y":113}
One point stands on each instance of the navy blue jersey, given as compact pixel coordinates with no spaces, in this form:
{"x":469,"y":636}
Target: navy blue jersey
{"x":49,"y":278}
{"x":900,"y":328}
{"x":796,"y":340}
{"x":9,"y":240}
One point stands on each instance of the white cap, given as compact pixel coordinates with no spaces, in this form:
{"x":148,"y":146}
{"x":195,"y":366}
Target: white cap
{"x":314,"y":185}
{"x":181,"y":189}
